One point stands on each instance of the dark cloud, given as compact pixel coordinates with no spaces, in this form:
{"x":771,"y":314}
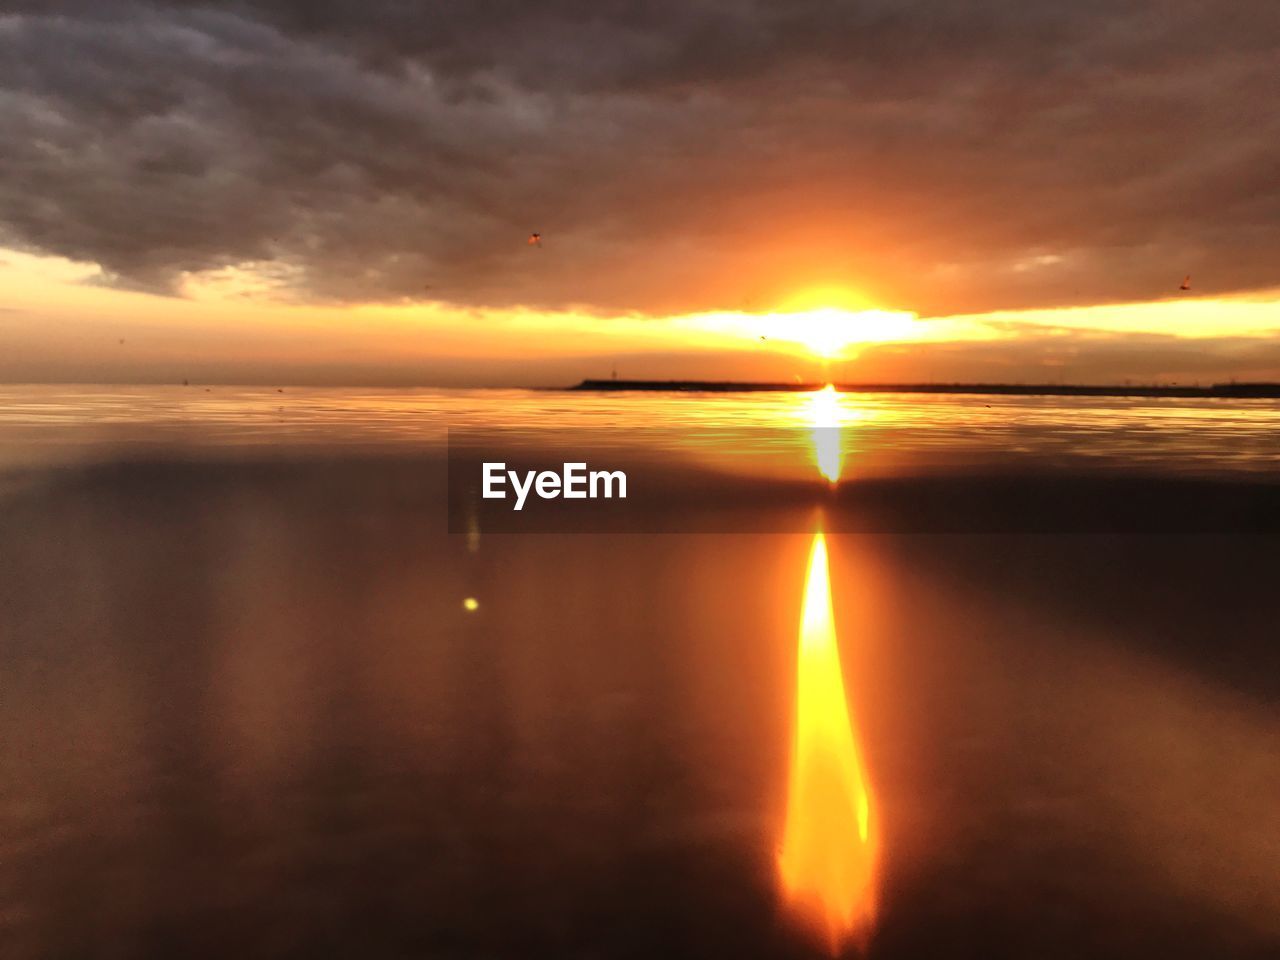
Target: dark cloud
{"x":674,"y":155}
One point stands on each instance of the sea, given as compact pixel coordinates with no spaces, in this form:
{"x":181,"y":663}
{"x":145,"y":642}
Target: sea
{"x":274,"y":683}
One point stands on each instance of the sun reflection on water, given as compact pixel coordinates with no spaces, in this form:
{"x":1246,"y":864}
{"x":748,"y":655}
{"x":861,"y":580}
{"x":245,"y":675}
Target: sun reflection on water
{"x":828,"y":448}
{"x":773,"y":434}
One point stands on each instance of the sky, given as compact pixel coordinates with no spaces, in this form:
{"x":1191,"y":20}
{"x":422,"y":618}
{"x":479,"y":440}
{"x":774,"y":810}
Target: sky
{"x":340,"y":192}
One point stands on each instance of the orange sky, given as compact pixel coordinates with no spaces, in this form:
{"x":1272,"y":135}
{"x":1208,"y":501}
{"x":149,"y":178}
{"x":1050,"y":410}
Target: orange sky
{"x":292,"y":191}
{"x":57,"y":324}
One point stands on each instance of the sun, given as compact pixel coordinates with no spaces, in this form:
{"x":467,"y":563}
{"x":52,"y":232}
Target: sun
{"x":829,"y":332}
{"x":828,"y":323}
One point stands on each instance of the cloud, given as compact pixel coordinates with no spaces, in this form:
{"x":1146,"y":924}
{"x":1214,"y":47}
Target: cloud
{"x":675,"y":156}
{"x":1033,"y":354}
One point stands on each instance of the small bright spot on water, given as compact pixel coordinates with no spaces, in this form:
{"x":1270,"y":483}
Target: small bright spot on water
{"x":471,"y":604}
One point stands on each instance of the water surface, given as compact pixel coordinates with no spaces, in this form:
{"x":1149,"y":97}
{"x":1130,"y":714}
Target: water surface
{"x":244,"y":710}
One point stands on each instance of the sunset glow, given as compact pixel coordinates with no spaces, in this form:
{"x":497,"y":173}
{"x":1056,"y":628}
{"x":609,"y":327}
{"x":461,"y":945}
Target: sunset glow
{"x":59,"y":322}
{"x":420,"y":424}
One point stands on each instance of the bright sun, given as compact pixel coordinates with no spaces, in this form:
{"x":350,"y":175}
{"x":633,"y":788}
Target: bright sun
{"x":829,"y":331}
{"x":821,"y":322}
{"x":828,"y":320}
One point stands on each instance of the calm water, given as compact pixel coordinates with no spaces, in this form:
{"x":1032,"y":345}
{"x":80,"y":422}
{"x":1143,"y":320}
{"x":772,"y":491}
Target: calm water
{"x":244,"y":711}
{"x":1176,"y":435}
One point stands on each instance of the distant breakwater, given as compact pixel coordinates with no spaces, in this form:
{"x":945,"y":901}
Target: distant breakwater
{"x":1268,"y":391}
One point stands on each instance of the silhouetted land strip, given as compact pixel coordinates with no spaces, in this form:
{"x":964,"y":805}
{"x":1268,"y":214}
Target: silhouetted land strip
{"x":1270,"y":391}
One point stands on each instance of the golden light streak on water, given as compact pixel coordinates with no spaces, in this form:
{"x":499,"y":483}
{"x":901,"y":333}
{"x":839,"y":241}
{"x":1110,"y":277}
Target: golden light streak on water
{"x":827,"y":864}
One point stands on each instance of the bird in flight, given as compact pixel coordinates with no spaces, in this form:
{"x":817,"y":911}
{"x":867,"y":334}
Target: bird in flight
{"x":535,"y":240}
{"x":1186,"y":283}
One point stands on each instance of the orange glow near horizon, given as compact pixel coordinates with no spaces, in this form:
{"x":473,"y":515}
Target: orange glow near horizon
{"x":58,"y":320}
{"x":828,"y":860}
